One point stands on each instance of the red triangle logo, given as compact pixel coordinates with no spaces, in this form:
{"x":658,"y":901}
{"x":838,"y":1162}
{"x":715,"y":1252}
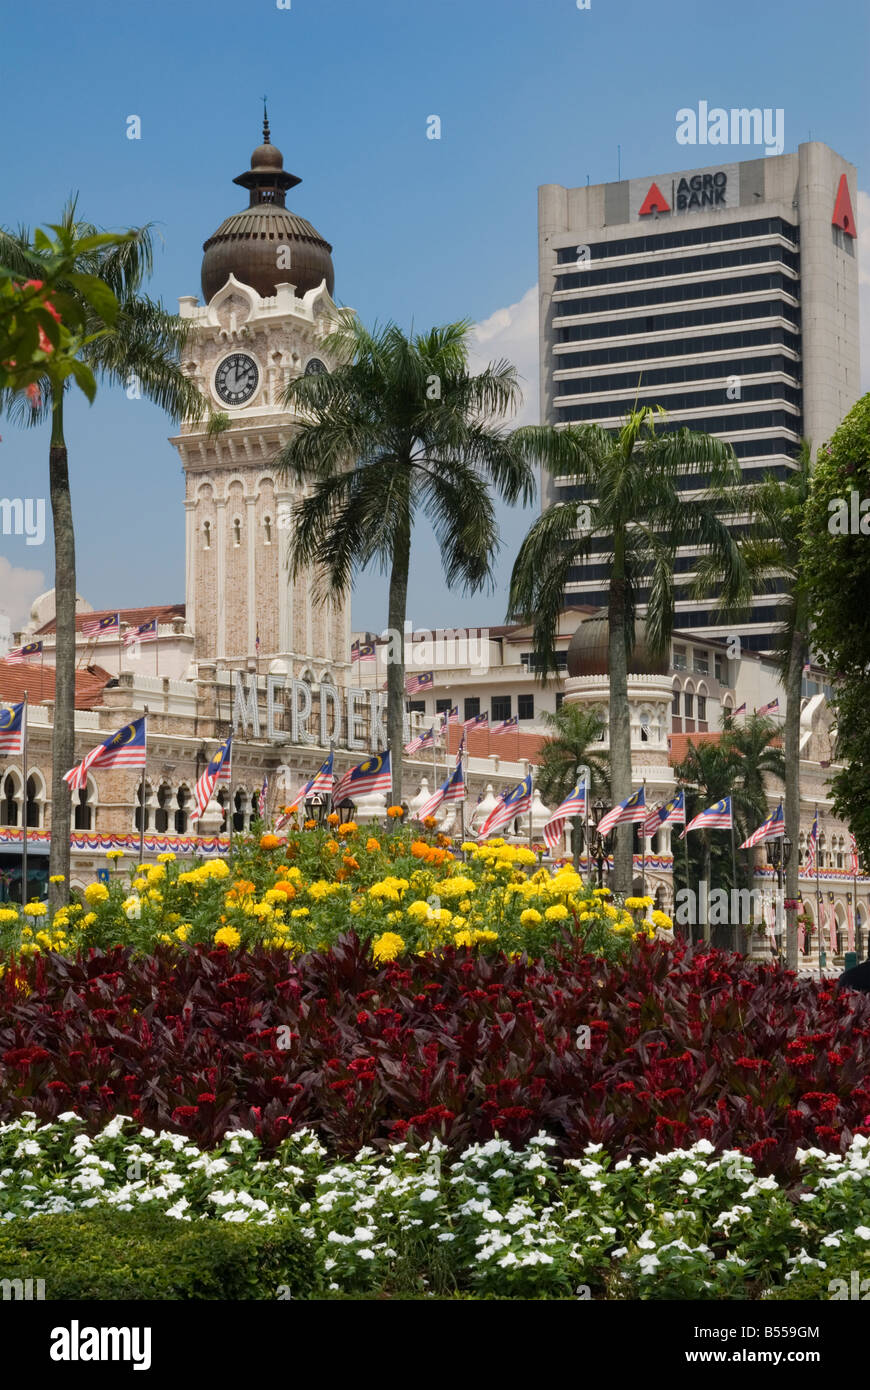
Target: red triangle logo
{"x":843,"y":215}
{"x":655,"y":202}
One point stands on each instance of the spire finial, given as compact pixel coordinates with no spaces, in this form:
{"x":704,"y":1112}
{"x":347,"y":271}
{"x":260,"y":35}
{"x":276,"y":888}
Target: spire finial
{"x":266,"y":140}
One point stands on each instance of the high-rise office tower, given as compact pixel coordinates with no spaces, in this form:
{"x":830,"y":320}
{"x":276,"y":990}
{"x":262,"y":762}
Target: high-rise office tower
{"x":728,"y":295}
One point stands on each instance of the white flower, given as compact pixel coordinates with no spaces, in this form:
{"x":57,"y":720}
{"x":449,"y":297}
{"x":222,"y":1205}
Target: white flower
{"x":621,"y":1166}
{"x":648,"y":1263}
{"x":863,"y":1232}
{"x":430,"y":1194}
{"x":689,"y":1177}
{"x":645,"y":1242}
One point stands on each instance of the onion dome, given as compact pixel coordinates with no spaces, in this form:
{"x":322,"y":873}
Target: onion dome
{"x":588,"y":655}
{"x":246,"y":244}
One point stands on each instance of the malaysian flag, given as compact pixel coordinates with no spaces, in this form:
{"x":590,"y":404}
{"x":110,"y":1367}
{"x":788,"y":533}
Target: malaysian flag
{"x":424,"y":681}
{"x":716,"y":817}
{"x":812,"y":846}
{"x":145,"y":632}
{"x":741,"y":709}
{"x":573,"y":805}
{"x":769,"y":707}
{"x":261,"y":799}
{"x":509,"y":805}
{"x":110,"y":622}
{"x":452,"y":789}
{"x":321,"y":782}
{"x":373,"y":775}
{"x":218,"y":770}
{"x":477,"y":721}
{"x":12,"y":728}
{"x":772,"y":828}
{"x":449,"y":717}
{"x":850,"y":928}
{"x":362,"y":652}
{"x":506,"y":725}
{"x":425,"y":740}
{"x":853,"y":846}
{"x":633,"y":808}
{"x":674,"y":810}
{"x":126,"y":748}
{"x":17,"y":657}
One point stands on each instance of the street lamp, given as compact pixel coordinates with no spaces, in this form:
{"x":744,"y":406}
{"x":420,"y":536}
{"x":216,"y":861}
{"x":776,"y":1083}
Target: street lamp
{"x":599,"y":850}
{"x":778,"y":855}
{"x":315,"y":808}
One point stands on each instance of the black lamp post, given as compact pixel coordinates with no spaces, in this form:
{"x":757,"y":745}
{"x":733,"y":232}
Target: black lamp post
{"x":599,"y":848}
{"x":778,"y":855}
{"x":315,"y":808}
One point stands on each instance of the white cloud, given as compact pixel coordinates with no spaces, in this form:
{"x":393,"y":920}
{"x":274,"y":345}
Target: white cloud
{"x":512,"y":333}
{"x":863,"y":216}
{"x":18,"y":588}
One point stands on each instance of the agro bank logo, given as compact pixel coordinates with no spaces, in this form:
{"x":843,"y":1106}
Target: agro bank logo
{"x":739,"y":126}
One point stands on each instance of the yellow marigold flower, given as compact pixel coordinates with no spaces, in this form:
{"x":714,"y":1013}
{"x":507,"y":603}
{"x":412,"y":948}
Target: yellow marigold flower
{"x":387,"y":947}
{"x":41,"y":909}
{"x":556,"y":913}
{"x":96,"y":893}
{"x":661,"y":919}
{"x":114,"y":854}
{"x":154,"y":896}
{"x":372,"y":844}
{"x":355,"y":907}
{"x":26,"y":931}
{"x":304,"y":912}
{"x":140,"y":884}
{"x":395,"y":812}
{"x":349,"y":828}
{"x":57,"y":878}
{"x":530,"y":918}
{"x":8,"y":914}
{"x":333,"y":818}
{"x":610,"y":911}
{"x":394,"y":917}
{"x":227,"y":936}
{"x":602,"y":892}
{"x":156,"y":873}
{"x":89,"y":919}
{"x":418,"y":911}
{"x":262,"y":911}
{"x":469,"y":847}
{"x":332,"y":846}
{"x":182,"y":931}
{"x":269,"y":841}
{"x":166,"y":858}
{"x":310,"y":825}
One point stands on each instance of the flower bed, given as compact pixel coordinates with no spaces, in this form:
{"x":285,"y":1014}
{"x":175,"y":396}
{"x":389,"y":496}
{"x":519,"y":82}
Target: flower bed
{"x":494,"y":1221}
{"x":644,"y":1054}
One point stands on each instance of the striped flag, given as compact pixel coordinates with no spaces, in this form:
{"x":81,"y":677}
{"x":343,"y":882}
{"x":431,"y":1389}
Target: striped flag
{"x":16,"y":658}
{"x":110,"y":622}
{"x":424,"y":740}
{"x":506,"y":725}
{"x":320,"y":783}
{"x":853,"y":845}
{"x":771,"y":829}
{"x":770,"y":706}
{"x":373,"y":775}
{"x":741,"y":709}
{"x":673,"y":810}
{"x":218,"y":770}
{"x":126,"y":748}
{"x":716,"y":817}
{"x":573,"y":805}
{"x":261,"y":799}
{"x":812,"y":846}
{"x":422,"y":681}
{"x":363,"y":652}
{"x":450,"y":717}
{"x":477,"y":721}
{"x":508,"y":806}
{"x":452,"y":789}
{"x":145,"y":632}
{"x":12,"y":728}
{"x":633,"y":808}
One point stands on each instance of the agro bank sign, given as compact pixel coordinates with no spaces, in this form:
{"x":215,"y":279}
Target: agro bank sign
{"x":350,"y":717}
{"x":707,"y":190}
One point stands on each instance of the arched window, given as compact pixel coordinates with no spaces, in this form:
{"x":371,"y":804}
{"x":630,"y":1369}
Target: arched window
{"x":83,"y":812}
{"x":9,"y":809}
{"x":239,"y":802}
{"x":267,"y":530}
{"x":255,"y":810}
{"x":181,"y":814}
{"x":222,"y":798}
{"x":237,"y":530}
{"x":206,"y":535}
{"x":161,"y":815}
{"x":143,"y":792}
{"x":34,"y":804}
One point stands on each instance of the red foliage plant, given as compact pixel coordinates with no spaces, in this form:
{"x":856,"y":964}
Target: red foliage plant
{"x":683,"y":1044}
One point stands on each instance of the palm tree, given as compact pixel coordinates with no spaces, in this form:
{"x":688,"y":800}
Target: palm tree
{"x":778,"y":510}
{"x":575,"y":731}
{"x":632,"y":508}
{"x":753,"y":741}
{"x":142,"y":344}
{"x":708,"y":773}
{"x":398,"y":431}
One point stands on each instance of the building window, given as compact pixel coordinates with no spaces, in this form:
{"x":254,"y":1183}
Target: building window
{"x":141,"y":800}
{"x":83,"y":811}
{"x":719,"y":668}
{"x":9,"y":803}
{"x":181,"y":813}
{"x":206,"y":535}
{"x":237,"y":531}
{"x":443,"y":706}
{"x":532,"y":661}
{"x":688,"y":703}
{"x":161,"y":815}
{"x":239,"y":812}
{"x":471,"y":707}
{"x":679,"y":659}
{"x":675,"y":703}
{"x":702,"y":707}
{"x":500,"y":708}
{"x":267,"y":530}
{"x":32,"y":804}
{"x":560,"y":699}
{"x":526,"y":706}
{"x":701,"y":663}
{"x":222,"y":799}
{"x":416,"y":706}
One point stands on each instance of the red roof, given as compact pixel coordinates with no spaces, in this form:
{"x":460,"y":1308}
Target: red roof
{"x":511,"y":747}
{"x":678,"y":744}
{"x":38,"y":681}
{"x":165,"y":612}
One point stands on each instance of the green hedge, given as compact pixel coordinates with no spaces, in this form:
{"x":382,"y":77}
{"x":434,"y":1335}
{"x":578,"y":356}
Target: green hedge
{"x":100,"y":1254}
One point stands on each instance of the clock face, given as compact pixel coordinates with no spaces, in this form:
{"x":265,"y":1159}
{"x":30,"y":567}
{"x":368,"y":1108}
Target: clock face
{"x":315,"y":366}
{"x":236,"y":379}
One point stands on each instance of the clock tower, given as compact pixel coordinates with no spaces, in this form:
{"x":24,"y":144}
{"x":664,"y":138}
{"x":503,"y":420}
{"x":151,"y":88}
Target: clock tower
{"x":267,"y":281}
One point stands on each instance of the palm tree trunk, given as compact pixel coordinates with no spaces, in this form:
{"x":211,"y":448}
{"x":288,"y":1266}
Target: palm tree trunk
{"x":620,"y":724}
{"x":792,"y":809}
{"x":396,"y":609}
{"x":708,"y":871}
{"x":63,"y":733}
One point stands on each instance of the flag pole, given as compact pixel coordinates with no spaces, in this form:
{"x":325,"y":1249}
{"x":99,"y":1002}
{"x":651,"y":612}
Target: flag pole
{"x":818,"y":896}
{"x":531,"y":778}
{"x":643,"y":846}
{"x":686,"y":853}
{"x":144,"y":791}
{"x":462,"y":831}
{"x":587,"y":847}
{"x":24,"y":876}
{"x":734,"y":935}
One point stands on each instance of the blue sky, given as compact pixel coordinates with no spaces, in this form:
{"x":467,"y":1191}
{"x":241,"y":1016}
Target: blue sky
{"x":528,"y":92}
